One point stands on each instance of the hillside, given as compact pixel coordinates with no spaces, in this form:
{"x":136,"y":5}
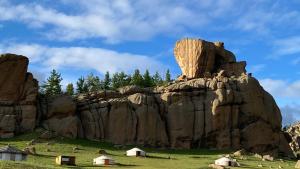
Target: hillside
{"x":158,"y":158}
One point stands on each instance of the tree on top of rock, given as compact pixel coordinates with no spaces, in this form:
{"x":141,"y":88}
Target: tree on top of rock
{"x":81,"y":85}
{"x":157,"y":80}
{"x":70,"y":89}
{"x":93,"y":83}
{"x":137,"y":78}
{"x":52,"y":86}
{"x":148,"y":81}
{"x":107,"y":81}
{"x":120,"y":80}
{"x":168,"y":76}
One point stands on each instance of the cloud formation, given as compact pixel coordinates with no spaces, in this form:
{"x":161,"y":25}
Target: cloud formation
{"x":125,"y":20}
{"x":97,"y":59}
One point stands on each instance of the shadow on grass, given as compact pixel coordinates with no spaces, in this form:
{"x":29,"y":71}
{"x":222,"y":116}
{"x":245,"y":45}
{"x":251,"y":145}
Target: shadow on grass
{"x":44,"y":155}
{"x":97,"y":166}
{"x":159,"y":157}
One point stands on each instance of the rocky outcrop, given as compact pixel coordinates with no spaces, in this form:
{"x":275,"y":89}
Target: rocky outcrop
{"x":214,"y":105}
{"x":293,"y":136}
{"x":218,"y":112}
{"x":18,"y":96}
{"x":197,"y":57}
{"x":59,"y":116}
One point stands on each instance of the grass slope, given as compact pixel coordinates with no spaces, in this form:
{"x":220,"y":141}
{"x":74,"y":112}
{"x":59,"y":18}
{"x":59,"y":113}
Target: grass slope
{"x":159,"y":158}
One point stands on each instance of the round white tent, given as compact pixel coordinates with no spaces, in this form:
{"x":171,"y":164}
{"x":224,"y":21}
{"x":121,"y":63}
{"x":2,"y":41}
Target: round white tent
{"x":136,"y":152}
{"x":103,"y":160}
{"x":225,"y":161}
{"x":12,"y":153}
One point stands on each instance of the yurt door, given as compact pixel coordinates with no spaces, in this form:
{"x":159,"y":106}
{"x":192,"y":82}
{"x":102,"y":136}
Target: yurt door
{"x":106,"y":161}
{"x":13,"y":157}
{"x":138,"y":153}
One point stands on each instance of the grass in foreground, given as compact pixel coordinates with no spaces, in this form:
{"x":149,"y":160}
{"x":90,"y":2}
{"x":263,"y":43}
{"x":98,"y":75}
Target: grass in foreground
{"x":88,"y":150}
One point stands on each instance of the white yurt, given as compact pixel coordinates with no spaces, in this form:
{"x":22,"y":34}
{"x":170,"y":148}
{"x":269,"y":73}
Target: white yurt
{"x":136,"y":152}
{"x":12,"y":153}
{"x":226,"y":162}
{"x":103,"y":160}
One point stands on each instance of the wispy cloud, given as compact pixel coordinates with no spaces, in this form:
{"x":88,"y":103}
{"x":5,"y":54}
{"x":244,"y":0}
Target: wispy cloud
{"x":286,"y":46}
{"x":282,"y":88}
{"x":122,"y":20}
{"x":256,"y":68}
{"x":112,"y":20}
{"x":290,"y":114}
{"x":97,"y":59}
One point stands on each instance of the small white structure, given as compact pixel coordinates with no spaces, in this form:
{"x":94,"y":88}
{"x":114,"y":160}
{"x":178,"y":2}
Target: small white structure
{"x":12,"y":153}
{"x":227,"y":162}
{"x":136,"y":152}
{"x":103,"y":160}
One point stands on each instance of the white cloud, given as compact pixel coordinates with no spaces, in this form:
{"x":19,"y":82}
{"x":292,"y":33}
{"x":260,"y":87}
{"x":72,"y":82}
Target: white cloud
{"x":286,"y":46}
{"x":287,"y":96}
{"x":112,"y":20}
{"x":256,"y":68}
{"x":282,"y":88}
{"x":98,"y":59}
{"x":290,"y":114}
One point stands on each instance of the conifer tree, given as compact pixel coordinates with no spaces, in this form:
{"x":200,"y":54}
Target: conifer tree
{"x":70,"y":89}
{"x":157,"y":80}
{"x":168,"y":76}
{"x":148,"y":81}
{"x":137,"y":78}
{"x":52,"y":86}
{"x":107,"y":81}
{"x":93,"y":83}
{"x":120,"y":80}
{"x":81,"y":85}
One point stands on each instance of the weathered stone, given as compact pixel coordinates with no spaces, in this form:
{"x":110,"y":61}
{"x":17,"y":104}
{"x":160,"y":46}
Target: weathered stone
{"x":196,"y":56}
{"x":18,"y":95}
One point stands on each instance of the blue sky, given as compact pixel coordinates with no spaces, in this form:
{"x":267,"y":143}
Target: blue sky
{"x":83,"y":36}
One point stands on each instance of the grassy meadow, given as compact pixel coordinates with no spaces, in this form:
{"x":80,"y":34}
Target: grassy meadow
{"x":47,"y":150}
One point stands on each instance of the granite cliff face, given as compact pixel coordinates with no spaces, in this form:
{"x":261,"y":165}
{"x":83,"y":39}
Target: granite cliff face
{"x":214,"y":104}
{"x":18,"y":96}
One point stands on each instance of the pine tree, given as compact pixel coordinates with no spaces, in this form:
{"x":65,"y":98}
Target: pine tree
{"x":157,"y":79}
{"x":137,"y":78}
{"x":52,"y":86}
{"x":120,"y":80}
{"x":70,"y":89}
{"x":148,"y":81}
{"x":81,"y":85}
{"x":168,"y":76}
{"x":107,"y":81}
{"x":93,"y":83}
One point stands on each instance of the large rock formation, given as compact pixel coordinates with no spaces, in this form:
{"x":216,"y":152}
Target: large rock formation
{"x":197,"y":57}
{"x":18,"y":94}
{"x":216,"y":105}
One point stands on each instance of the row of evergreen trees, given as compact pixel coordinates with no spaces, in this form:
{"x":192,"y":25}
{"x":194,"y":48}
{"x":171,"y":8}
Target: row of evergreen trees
{"x":52,"y":86}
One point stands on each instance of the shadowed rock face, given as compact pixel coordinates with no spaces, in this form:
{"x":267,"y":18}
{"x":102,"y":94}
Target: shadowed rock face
{"x":18,"y":95}
{"x":216,"y":105}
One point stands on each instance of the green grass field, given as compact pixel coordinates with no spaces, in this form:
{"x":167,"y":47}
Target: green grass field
{"x":158,"y":158}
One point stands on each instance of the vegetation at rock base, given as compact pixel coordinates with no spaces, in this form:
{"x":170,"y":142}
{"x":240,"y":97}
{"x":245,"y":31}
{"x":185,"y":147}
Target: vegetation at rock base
{"x":47,"y":150}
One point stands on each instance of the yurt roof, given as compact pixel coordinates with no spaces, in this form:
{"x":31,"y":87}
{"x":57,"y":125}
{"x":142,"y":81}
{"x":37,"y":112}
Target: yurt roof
{"x":136,"y":149}
{"x":10,"y":149}
{"x":224,"y":159}
{"x":103,"y":157}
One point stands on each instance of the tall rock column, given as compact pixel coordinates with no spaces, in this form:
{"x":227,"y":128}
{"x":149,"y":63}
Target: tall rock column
{"x":18,"y":94}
